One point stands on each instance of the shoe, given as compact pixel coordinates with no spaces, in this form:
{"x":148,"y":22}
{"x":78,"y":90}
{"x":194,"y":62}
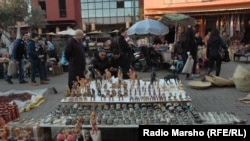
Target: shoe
{"x":34,"y":84}
{"x":23,"y":82}
{"x":44,"y":82}
{"x":47,"y":79}
{"x":9,"y":81}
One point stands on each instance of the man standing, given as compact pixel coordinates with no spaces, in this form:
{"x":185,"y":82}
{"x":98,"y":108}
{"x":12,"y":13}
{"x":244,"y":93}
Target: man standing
{"x":35,"y":60}
{"x":19,"y":52}
{"x":75,"y":55}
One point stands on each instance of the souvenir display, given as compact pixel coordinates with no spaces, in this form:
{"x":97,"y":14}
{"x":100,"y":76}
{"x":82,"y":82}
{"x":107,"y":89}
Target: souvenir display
{"x":8,"y":112}
{"x":116,"y":90}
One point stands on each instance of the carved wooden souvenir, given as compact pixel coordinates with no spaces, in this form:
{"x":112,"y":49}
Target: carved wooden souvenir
{"x":120,"y":97}
{"x":131,"y":98}
{"x":93,"y":123}
{"x":137,"y":99}
{"x":103,"y":97}
{"x":119,"y":74}
{"x":108,"y":75}
{"x":67,"y":91}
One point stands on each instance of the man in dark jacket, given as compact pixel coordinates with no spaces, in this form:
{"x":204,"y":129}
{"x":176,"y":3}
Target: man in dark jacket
{"x":35,"y":60}
{"x":19,"y":54}
{"x":119,"y":61}
{"x":123,"y":44}
{"x":75,"y":55}
{"x":100,"y":62}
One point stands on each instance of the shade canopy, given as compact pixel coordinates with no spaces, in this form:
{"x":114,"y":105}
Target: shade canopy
{"x":148,"y":27}
{"x":177,"y":19}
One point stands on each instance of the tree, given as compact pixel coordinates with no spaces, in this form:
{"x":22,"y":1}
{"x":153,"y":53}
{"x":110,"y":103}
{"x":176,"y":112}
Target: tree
{"x":37,"y":18}
{"x":12,"y":11}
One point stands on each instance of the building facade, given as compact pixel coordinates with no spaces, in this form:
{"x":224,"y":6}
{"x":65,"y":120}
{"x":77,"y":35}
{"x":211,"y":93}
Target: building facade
{"x":60,"y":14}
{"x":226,"y":15}
{"x":106,"y":15}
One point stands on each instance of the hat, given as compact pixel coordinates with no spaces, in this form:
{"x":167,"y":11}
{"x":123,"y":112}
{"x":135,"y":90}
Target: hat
{"x":199,"y":84}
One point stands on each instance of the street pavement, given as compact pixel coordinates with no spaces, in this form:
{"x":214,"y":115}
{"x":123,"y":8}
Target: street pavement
{"x":213,"y":99}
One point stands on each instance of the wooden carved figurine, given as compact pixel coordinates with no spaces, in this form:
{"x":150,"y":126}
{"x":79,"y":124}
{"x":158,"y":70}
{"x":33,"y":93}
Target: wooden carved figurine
{"x":93,"y":122}
{"x":68,"y":91}
{"x":108,"y":74}
{"x":153,"y":76}
{"x":119,"y":73}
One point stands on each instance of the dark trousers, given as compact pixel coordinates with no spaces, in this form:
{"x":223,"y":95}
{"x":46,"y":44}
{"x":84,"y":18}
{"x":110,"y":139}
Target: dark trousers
{"x":21,"y":70}
{"x":217,"y":62}
{"x":44,"y":67}
{"x":36,"y":66}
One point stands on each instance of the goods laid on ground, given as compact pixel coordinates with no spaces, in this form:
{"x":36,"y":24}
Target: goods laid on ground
{"x":25,"y":100}
{"x":219,"y":81}
{"x":241,"y":78}
{"x":245,"y":99}
{"x":199,"y":84}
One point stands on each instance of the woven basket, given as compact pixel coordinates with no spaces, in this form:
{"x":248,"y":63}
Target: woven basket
{"x":243,"y":84}
{"x":199,"y":84}
{"x":241,"y":79}
{"x":240,"y":72}
{"x":219,"y":81}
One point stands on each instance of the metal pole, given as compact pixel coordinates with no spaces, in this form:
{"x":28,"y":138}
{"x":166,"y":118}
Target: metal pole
{"x":134,"y":17}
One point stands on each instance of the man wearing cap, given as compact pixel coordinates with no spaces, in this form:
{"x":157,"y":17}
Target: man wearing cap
{"x":75,"y":55}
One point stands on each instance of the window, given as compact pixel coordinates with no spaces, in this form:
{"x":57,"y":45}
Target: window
{"x":98,"y":13}
{"x":120,"y":12}
{"x":105,"y":5}
{"x":42,"y":5}
{"x":91,"y":13}
{"x":91,"y":5}
{"x":128,"y":12}
{"x":85,"y":13}
{"x":120,"y":4}
{"x":98,"y":5}
{"x":84,"y":6}
{"x":106,"y":13}
{"x":128,"y":4}
{"x":112,"y":4}
{"x":62,"y":8}
{"x":113,"y":12}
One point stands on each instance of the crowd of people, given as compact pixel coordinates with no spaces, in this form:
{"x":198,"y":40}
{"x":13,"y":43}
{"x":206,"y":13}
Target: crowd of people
{"x":30,"y":50}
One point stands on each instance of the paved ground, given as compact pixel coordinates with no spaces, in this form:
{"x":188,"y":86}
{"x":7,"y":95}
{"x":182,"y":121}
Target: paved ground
{"x":219,"y":99}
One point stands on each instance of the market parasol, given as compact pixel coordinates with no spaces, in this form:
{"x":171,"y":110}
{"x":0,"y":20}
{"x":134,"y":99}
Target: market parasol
{"x":177,"y":19}
{"x":70,"y":32}
{"x":148,"y":27}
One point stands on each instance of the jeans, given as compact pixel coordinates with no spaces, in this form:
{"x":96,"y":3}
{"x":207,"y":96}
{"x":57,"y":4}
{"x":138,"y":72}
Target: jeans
{"x":21,"y":70}
{"x":36,"y":66}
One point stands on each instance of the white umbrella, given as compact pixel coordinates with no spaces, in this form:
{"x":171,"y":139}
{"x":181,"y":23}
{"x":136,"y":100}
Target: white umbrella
{"x":148,"y":27}
{"x":70,"y":32}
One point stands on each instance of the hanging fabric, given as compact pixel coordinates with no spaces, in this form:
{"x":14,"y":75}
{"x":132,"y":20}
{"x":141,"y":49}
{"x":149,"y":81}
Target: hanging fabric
{"x":231,"y":26}
{"x":238,"y":24}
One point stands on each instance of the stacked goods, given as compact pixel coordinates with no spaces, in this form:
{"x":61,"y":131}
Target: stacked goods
{"x":9,"y":112}
{"x":241,"y":78}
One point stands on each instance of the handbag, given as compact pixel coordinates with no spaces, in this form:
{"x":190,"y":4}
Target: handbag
{"x":224,"y":54}
{"x":188,"y":66}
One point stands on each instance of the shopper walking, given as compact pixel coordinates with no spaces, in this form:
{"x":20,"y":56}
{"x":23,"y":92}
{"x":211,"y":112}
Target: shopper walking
{"x":75,"y":55}
{"x":189,"y":49}
{"x":213,"y":49}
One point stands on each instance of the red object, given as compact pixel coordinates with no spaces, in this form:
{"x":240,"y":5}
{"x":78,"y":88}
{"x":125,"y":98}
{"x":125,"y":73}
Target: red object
{"x":60,"y":137}
{"x":197,"y":68}
{"x":70,"y":137}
